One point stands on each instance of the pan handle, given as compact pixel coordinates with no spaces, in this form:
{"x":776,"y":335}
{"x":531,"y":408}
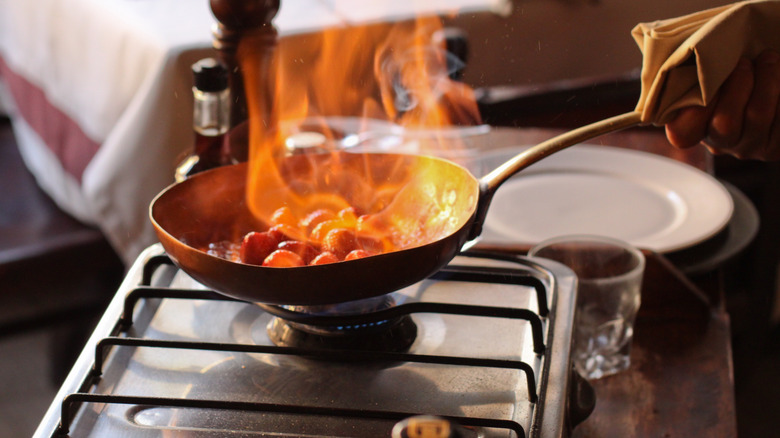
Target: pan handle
{"x":489,"y":183}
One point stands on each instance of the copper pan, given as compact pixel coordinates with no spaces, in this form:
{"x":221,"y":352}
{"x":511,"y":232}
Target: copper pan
{"x":187,"y":215}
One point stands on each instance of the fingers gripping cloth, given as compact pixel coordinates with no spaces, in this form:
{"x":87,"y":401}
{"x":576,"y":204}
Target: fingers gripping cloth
{"x":686,"y":59}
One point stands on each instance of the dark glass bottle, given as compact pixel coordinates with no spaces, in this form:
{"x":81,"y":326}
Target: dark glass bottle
{"x":210,"y":118}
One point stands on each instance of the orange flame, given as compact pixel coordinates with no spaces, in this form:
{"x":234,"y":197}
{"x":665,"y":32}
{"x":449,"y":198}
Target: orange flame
{"x":387,"y":72}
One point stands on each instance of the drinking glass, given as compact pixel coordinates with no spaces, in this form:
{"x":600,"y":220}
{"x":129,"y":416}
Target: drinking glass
{"x":609,"y":275}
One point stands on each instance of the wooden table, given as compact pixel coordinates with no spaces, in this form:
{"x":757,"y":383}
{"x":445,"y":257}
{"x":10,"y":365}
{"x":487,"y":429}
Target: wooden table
{"x":680,"y":383}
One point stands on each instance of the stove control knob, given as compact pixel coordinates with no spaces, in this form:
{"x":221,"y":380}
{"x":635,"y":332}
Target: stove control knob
{"x":426,"y":426}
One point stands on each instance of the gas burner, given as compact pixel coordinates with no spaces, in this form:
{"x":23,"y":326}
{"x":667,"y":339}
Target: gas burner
{"x":362,"y":325}
{"x":396,"y":336}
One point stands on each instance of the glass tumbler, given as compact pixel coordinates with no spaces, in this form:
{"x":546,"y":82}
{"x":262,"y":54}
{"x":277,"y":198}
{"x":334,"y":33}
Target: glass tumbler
{"x":609,"y":276}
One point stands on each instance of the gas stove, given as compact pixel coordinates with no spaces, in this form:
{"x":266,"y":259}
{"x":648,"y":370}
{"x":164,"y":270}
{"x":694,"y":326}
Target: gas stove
{"x":481,"y":348}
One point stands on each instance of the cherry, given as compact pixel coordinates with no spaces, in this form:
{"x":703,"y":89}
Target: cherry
{"x":256,"y":246}
{"x":281,"y":258}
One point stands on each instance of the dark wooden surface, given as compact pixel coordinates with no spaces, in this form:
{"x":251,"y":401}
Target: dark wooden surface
{"x":54,"y":270}
{"x":680,"y":382}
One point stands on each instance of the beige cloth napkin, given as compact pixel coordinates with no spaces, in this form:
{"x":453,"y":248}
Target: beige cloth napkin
{"x":686,"y":59}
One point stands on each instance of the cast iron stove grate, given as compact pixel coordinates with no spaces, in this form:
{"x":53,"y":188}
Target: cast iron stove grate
{"x":541,"y":321}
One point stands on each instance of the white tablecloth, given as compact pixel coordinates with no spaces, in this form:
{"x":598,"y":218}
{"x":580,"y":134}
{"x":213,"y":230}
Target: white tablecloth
{"x":115,"y":75}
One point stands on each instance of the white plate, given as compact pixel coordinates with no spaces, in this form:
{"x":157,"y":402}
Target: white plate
{"x":645,"y":199}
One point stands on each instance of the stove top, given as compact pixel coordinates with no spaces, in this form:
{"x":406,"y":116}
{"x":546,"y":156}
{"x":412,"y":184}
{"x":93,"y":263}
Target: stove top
{"x":484,"y":344}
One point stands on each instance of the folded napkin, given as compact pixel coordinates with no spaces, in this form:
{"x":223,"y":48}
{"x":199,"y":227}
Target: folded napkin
{"x":686,"y":59}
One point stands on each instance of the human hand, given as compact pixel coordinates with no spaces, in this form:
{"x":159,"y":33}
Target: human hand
{"x":744,"y":119}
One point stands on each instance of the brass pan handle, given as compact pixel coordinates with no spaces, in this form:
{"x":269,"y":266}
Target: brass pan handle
{"x":531,"y":155}
{"x":489,"y":183}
